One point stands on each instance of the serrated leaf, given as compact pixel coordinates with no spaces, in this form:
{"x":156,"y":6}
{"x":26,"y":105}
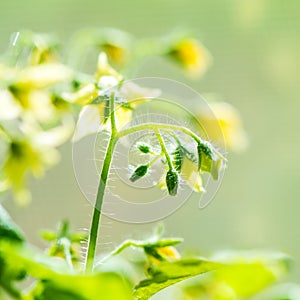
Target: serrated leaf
{"x":169,"y":273}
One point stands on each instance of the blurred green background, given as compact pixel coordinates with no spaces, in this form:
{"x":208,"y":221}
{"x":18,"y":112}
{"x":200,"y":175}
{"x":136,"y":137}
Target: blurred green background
{"x":255,"y":45}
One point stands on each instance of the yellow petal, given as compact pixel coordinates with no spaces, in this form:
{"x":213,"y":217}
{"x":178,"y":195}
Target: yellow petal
{"x":9,"y":107}
{"x":190,"y":174}
{"x":41,"y":76}
{"x":105,"y":69}
{"x":227,"y":118}
{"x":89,"y":122}
{"x":135,"y":94}
{"x":56,"y":136}
{"x":84,"y":96}
{"x":193,"y":56}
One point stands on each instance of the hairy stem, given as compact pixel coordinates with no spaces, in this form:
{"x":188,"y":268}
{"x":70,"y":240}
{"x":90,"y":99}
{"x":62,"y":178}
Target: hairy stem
{"x":163,"y":148}
{"x":157,"y":126}
{"x":93,"y":235}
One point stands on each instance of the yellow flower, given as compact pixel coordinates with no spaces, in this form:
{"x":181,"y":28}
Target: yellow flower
{"x":9,"y":108}
{"x":83,"y":96}
{"x":116,"y":53}
{"x":26,"y":92}
{"x":23,"y":159}
{"x":95,"y":116}
{"x":116,"y":44}
{"x":192,"y":56}
{"x":225,"y":125}
{"x":168,"y":253}
{"x":32,"y":156}
{"x":105,"y":69}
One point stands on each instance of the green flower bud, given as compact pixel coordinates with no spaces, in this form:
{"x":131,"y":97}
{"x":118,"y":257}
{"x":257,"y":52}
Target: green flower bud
{"x":178,"y":158}
{"x":139,"y":173}
{"x":205,"y":157}
{"x":199,"y":151}
{"x":145,"y":148}
{"x":172,"y":182}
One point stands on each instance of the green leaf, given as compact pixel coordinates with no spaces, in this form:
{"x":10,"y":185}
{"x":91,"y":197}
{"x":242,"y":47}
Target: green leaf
{"x":169,"y":273}
{"x":242,"y":275}
{"x":152,"y":243}
{"x":8,"y":229}
{"x":60,"y":282}
{"x":106,"y":285}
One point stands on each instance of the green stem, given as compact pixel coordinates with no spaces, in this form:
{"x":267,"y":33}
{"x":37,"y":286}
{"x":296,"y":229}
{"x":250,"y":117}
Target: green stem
{"x":92,"y":243}
{"x":164,"y":149}
{"x":156,"y":126}
{"x":153,"y":161}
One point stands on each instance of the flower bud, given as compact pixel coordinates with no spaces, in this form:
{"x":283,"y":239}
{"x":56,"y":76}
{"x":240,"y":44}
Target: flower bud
{"x":204,"y":154}
{"x":139,"y":173}
{"x":144,"y":148}
{"x":172,"y":182}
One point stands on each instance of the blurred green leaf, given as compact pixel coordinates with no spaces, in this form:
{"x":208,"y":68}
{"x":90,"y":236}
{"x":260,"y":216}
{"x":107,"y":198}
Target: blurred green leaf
{"x":60,"y":282}
{"x":243,"y":275}
{"x":108,"y":286}
{"x":8,"y":229}
{"x":169,"y":273}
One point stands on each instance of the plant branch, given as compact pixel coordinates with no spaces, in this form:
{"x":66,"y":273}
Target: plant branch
{"x":156,"y":126}
{"x":93,"y":236}
{"x":164,"y":149}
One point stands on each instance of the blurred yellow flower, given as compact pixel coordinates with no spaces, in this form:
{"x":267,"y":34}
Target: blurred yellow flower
{"x":32,"y":155}
{"x":83,"y":96}
{"x":116,"y":54}
{"x":26,"y":91}
{"x":95,"y":116}
{"x":192,"y":56}
{"x":42,"y":76}
{"x":224,"y":125}
{"x":105,"y":69}
{"x":23,"y":159}
{"x":168,"y":253}
{"x":9,"y":108}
